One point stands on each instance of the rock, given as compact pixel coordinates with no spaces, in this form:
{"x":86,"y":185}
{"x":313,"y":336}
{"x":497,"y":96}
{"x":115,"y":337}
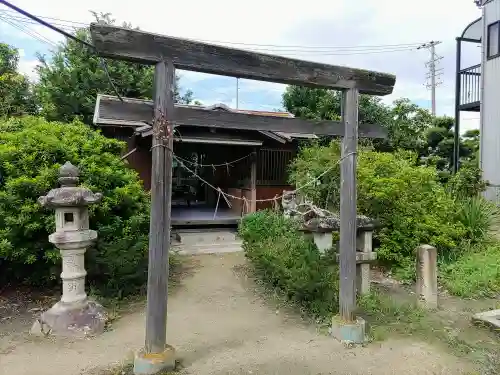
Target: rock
{"x":332,"y":223}
{"x":87,"y":320}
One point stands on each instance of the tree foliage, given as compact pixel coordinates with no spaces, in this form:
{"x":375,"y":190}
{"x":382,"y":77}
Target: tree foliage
{"x":322,"y":104}
{"x":71,"y":78}
{"x":409,"y":200}
{"x":16,"y":97}
{"x":31,"y":152}
{"x":409,"y":126}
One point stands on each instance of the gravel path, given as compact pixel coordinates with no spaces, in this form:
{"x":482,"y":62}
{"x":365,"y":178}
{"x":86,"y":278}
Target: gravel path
{"x":219,"y":325}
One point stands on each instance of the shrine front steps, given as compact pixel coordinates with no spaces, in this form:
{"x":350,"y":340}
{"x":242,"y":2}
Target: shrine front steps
{"x":206,"y":241}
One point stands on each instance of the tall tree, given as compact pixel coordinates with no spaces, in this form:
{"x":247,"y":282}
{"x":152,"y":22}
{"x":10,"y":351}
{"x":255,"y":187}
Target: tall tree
{"x":325,"y":104}
{"x":16,"y":97}
{"x":73,"y":76}
{"x":409,"y":126}
{"x":405,"y":122}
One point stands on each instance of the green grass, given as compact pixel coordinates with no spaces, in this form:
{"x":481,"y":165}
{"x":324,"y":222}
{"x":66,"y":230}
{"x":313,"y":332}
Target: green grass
{"x":478,"y":217}
{"x":476,"y":274}
{"x":387,"y":317}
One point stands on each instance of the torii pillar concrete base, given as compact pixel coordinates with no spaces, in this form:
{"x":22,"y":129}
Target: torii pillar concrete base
{"x":154,"y":363}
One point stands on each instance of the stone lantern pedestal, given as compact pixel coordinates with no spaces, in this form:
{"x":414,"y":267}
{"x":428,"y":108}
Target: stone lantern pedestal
{"x":74,"y":314}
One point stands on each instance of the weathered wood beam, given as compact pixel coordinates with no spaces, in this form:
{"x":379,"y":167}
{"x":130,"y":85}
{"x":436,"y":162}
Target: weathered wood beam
{"x":348,"y":221}
{"x":159,"y":227}
{"x":137,"y":111}
{"x":148,"y":48}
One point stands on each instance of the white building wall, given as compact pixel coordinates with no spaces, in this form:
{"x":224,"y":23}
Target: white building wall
{"x":490,"y":109}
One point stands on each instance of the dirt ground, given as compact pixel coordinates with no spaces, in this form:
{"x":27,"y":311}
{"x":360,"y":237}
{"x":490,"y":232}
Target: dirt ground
{"x":219,"y":324}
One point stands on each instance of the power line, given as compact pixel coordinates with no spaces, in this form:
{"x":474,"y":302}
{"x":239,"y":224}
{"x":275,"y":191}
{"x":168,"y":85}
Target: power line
{"x":67,"y":35}
{"x":273,"y":47}
{"x":347,"y":51}
{"x":50,"y":18}
{"x":293,"y":52}
{"x":47,"y":24}
{"x":28,"y":21}
{"x":28,"y":31}
{"x":326,"y":53}
{"x":291,"y":48}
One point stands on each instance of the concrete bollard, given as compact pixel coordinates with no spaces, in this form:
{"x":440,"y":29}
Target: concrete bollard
{"x":426,"y":285}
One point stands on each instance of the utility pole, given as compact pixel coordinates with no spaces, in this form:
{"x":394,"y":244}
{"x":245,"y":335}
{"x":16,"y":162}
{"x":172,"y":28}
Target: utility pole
{"x":433,"y":72}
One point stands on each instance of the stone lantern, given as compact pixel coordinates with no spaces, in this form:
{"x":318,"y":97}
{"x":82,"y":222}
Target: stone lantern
{"x":74,"y":314}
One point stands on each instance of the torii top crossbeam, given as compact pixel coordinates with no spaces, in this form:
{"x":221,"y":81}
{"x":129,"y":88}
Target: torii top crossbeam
{"x":149,"y":48}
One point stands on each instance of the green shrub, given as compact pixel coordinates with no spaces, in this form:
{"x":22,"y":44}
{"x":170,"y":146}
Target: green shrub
{"x":31,"y":152}
{"x":478,"y":216}
{"x":413,"y":207}
{"x":410,"y":202}
{"x":286,"y":260}
{"x":311,"y":162}
{"x":467,"y":182}
{"x":475,"y":274}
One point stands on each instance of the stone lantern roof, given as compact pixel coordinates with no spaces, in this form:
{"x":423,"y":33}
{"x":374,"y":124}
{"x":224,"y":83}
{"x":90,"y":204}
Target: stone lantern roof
{"x":69,"y":194}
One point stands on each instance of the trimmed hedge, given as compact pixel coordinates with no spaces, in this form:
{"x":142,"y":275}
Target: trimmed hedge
{"x":31,"y":152}
{"x":286,"y":260}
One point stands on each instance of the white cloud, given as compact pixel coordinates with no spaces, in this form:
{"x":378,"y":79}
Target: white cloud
{"x":468,"y":122}
{"x":27,"y":67}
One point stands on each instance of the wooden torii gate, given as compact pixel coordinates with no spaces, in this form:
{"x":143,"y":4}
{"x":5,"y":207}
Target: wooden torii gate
{"x":168,"y":53}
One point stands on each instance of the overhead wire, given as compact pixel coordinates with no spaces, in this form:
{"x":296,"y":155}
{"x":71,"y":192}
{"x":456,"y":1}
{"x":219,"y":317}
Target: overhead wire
{"x":67,"y":35}
{"x":289,"y":49}
{"x":412,"y":45}
{"x":28,"y":21}
{"x":311,"y":47}
{"x":49,"y":18}
{"x":347,"y":51}
{"x":26,"y":30}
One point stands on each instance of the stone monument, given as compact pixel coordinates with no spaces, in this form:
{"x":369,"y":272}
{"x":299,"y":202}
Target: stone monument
{"x":74,"y":314}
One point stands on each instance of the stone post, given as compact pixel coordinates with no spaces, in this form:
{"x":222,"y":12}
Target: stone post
{"x":426,"y":285}
{"x":323,"y":241}
{"x":74,"y":314}
{"x":364,"y":243}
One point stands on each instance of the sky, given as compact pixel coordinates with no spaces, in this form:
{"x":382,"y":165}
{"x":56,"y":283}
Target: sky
{"x":339,"y":32}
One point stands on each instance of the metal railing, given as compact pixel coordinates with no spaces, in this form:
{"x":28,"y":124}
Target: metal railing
{"x":470,"y":85}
